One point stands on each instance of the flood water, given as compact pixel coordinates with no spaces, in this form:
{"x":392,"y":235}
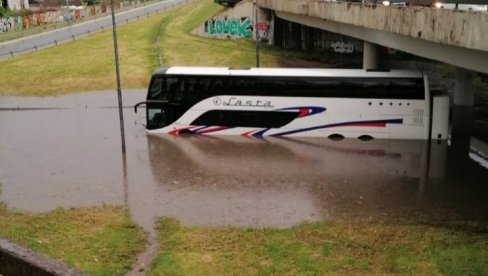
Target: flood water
{"x":66,"y":152}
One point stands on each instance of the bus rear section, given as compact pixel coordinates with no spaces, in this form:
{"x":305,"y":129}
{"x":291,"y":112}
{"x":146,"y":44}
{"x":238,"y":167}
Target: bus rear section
{"x":440,"y":116}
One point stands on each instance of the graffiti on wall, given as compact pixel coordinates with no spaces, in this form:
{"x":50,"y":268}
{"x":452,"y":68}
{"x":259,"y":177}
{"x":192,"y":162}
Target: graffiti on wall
{"x":263,"y":31}
{"x":230,"y":27}
{"x":18,"y":23}
{"x":10,"y":23}
{"x":342,"y":47}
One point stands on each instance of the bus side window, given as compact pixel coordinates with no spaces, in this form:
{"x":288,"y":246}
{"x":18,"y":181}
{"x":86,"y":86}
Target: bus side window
{"x":202,"y":89}
{"x":217,"y":85}
{"x":205,"y":85}
{"x":172,"y":85}
{"x":407,"y":89}
{"x":277,"y":86}
{"x":376,"y":88}
{"x":179,"y":88}
{"x":190,"y":85}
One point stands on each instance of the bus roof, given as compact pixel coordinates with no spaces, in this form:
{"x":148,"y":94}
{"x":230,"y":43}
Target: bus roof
{"x":287,"y":72}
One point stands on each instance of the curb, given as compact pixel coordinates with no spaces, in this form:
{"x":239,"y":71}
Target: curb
{"x":17,"y":260}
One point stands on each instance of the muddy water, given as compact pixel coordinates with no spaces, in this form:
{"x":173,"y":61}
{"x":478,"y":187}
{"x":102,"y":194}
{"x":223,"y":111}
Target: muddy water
{"x":66,"y":152}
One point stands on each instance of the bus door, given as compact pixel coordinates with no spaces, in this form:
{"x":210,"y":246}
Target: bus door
{"x":164,"y":101}
{"x":156,"y":102}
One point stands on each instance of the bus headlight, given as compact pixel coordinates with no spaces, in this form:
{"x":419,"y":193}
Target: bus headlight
{"x":386,"y":3}
{"x":438,"y":5}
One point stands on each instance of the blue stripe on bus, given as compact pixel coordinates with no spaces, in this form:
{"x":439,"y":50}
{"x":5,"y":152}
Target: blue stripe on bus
{"x":196,"y":130}
{"x":260,"y":133}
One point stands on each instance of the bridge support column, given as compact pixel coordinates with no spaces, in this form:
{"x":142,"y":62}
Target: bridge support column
{"x":462,"y":112}
{"x":371,"y":56}
{"x":463,"y":88}
{"x":462,"y":116}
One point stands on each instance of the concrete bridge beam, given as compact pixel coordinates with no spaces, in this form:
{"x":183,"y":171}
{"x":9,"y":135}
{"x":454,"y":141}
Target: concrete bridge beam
{"x":452,"y":37}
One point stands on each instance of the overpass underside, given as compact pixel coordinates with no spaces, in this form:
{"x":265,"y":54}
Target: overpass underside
{"x":453,"y":37}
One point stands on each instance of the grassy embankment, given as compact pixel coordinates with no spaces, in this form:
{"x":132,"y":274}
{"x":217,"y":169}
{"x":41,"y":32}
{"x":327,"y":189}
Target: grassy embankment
{"x":88,"y":63}
{"x":99,"y":241}
{"x":84,"y":65}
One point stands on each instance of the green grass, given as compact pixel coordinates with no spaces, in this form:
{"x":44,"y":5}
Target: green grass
{"x":328,"y":248}
{"x":99,"y":241}
{"x":84,"y":65}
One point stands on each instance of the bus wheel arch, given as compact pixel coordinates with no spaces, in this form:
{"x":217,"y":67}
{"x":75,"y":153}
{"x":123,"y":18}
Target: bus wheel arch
{"x":365,"y":137}
{"x":336,"y":137}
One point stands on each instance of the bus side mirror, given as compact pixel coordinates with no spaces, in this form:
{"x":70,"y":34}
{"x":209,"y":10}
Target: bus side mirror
{"x":138,"y":104}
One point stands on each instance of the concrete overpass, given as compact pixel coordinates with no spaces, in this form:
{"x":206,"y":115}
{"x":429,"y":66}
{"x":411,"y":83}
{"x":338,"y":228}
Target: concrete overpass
{"x":455,"y":37}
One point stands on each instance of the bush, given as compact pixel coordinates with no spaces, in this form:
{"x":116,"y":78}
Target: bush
{"x":5,"y":12}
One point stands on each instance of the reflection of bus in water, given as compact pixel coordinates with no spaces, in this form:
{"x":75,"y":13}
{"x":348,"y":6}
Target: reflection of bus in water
{"x":258,"y":159}
{"x":230,"y":180}
{"x":279,"y":102}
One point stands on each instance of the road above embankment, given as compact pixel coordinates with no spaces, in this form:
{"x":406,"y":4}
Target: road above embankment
{"x":33,"y":43}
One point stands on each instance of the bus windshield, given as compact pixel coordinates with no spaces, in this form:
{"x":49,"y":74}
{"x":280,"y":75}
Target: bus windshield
{"x":156,"y":89}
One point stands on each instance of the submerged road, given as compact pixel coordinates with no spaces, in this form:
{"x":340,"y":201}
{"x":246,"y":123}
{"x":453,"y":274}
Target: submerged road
{"x":33,"y":43}
{"x":56,"y":152}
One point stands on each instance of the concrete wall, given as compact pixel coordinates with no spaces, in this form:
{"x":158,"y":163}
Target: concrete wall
{"x":238,"y":22}
{"x":231,"y":23}
{"x":17,"y":260}
{"x":17,"y":4}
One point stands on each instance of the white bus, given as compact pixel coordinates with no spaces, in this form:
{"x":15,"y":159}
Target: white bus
{"x":332,"y":103}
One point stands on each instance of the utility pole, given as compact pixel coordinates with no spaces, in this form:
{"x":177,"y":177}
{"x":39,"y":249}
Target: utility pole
{"x":119,"y":91}
{"x":256,"y":31}
{"x":66,"y":12}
